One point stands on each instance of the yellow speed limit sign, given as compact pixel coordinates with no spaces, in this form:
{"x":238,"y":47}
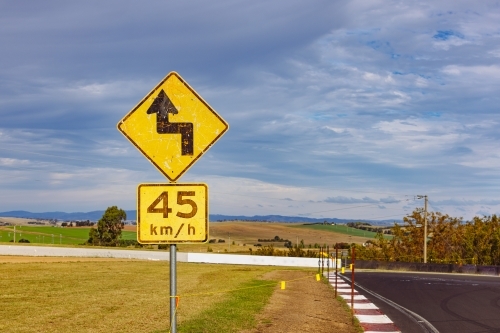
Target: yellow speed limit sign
{"x":172,"y":213}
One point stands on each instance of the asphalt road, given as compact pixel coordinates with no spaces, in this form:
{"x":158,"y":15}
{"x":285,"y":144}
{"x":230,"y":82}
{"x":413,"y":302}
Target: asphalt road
{"x":451,"y":303}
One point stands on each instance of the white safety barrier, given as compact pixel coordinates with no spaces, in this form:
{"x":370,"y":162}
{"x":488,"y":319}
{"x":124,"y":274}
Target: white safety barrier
{"x":211,"y":258}
{"x":251,"y":260}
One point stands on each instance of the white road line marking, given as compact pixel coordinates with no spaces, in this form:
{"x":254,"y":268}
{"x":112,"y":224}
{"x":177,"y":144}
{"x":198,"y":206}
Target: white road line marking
{"x":345,"y":290}
{"x":374,"y":319}
{"x":356,"y":297}
{"x":365,"y":306}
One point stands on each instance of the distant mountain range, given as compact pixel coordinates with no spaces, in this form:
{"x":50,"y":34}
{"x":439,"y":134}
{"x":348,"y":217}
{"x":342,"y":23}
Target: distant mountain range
{"x":132,"y":215}
{"x":293,"y":219}
{"x":92,"y":216}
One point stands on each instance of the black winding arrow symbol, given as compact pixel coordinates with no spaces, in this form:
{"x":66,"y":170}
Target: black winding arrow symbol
{"x":162,"y":106}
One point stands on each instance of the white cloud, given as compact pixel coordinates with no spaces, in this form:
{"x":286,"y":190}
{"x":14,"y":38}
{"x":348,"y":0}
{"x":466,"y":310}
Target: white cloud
{"x":402,"y":127}
{"x":454,"y":41}
{"x":482,"y":72}
{"x":13,"y":162}
{"x":346,"y":200}
{"x":495,"y":53}
{"x":368,"y":95}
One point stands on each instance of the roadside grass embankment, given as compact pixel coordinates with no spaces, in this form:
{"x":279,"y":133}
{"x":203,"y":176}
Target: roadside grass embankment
{"x":355,"y":321}
{"x":234,"y":313}
{"x":128,"y":296}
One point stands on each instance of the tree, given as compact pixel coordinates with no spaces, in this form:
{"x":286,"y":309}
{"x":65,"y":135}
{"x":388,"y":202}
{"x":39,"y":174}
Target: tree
{"x":109,"y":227}
{"x":481,"y":240}
{"x":449,"y":240}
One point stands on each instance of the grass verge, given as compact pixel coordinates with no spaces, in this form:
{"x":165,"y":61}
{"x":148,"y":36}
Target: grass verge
{"x":345,"y":306}
{"x":235,"y":313}
{"x":111,"y":296}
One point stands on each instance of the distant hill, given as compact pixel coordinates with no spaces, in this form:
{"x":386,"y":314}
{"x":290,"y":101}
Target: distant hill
{"x":92,"y":216}
{"x":132,"y":215}
{"x":292,"y":219}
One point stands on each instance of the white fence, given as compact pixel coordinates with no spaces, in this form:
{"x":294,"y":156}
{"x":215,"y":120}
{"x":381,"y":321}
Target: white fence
{"x":211,"y":258}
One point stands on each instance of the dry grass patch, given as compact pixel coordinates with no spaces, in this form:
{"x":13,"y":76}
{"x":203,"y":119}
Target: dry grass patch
{"x":304,"y":306}
{"x":108,"y":296}
{"x":248,"y":233}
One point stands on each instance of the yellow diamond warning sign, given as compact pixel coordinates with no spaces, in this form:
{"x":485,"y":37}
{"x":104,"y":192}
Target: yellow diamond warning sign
{"x":172,"y":126}
{"x":172,"y":213}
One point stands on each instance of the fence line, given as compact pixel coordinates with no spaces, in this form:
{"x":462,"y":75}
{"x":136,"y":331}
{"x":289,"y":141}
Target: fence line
{"x":209,"y":258}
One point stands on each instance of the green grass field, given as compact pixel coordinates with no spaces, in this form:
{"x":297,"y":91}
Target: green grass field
{"x":129,"y":296}
{"x":52,"y":235}
{"x":342,"y":229}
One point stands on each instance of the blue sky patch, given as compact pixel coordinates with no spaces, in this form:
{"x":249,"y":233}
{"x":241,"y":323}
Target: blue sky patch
{"x":447,"y":34}
{"x":433,"y":114}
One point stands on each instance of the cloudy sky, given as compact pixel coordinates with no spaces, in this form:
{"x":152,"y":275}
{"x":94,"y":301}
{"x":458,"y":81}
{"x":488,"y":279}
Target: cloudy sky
{"x":343,"y":109}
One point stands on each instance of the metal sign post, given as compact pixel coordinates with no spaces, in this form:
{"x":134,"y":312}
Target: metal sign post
{"x":173,"y":288}
{"x":172,"y":126}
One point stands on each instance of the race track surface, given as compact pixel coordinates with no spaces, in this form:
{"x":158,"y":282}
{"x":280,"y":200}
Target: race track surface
{"x":451,"y":303}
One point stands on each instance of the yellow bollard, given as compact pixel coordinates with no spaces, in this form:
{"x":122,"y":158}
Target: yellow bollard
{"x":282,"y":285}
{"x":350,"y":267}
{"x":343,"y":270}
{"x":317,"y":277}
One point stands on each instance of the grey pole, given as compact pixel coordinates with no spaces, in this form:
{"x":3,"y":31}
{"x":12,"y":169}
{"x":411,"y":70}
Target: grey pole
{"x":425,"y":225}
{"x":173,"y":287}
{"x":425,"y":230}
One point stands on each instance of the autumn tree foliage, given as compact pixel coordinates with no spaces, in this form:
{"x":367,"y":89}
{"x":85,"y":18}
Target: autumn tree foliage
{"x":449,"y":240}
{"x":481,"y":238}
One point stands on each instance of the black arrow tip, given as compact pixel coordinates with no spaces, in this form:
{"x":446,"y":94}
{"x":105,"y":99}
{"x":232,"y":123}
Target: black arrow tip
{"x":162,"y":105}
